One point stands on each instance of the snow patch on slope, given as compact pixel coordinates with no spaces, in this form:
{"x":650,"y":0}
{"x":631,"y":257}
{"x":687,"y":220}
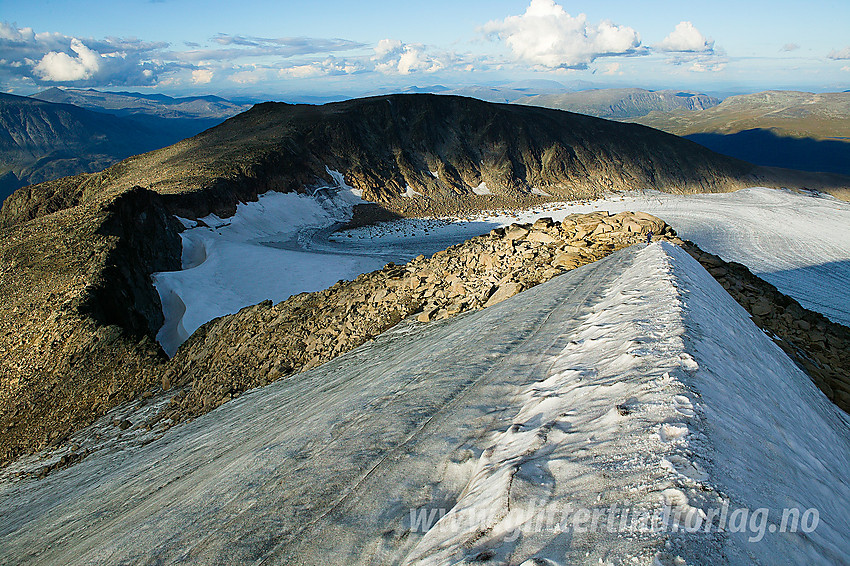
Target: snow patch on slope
{"x":482,"y":189}
{"x":228,"y":264}
{"x":339,"y":180}
{"x":607,"y":402}
{"x":798,"y":242}
{"x":776,"y":441}
{"x":409,"y":192}
{"x":668,"y":397}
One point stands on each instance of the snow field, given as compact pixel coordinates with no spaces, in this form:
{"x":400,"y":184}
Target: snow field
{"x":800,"y":243}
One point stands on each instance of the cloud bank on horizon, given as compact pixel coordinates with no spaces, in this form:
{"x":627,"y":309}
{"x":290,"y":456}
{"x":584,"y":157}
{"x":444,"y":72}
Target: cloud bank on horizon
{"x":545,"y":40}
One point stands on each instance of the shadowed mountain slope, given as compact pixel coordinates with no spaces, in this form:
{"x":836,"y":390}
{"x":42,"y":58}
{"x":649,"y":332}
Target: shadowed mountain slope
{"x":799,"y":130}
{"x":136,"y":104}
{"x":41,"y":141}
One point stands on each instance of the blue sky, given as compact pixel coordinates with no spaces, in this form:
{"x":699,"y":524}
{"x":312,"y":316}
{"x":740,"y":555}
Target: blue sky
{"x":275,"y":49}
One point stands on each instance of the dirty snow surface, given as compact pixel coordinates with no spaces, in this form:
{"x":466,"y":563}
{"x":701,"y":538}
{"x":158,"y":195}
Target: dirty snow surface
{"x":627,"y":412}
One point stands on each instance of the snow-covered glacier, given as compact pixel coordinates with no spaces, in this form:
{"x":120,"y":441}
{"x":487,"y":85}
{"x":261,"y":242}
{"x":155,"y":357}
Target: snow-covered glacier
{"x":626,"y":412}
{"x":284,"y":244}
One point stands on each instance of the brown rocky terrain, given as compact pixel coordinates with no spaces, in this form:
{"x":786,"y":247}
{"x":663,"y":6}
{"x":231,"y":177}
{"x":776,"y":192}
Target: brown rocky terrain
{"x":79,"y":315}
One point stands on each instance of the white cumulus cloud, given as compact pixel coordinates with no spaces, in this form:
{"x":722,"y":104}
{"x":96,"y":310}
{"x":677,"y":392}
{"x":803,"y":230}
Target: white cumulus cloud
{"x":840,"y":55}
{"x":689,"y":49}
{"x":202,"y":76}
{"x":330,"y":66}
{"x":46,"y":57}
{"x":249,"y":76}
{"x":394,"y":57}
{"x":686,"y":38}
{"x":57,"y":66}
{"x":547,"y":36}
{"x":9,"y":32}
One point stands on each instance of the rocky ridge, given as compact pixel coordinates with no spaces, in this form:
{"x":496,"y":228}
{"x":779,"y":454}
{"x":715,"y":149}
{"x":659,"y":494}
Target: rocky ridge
{"x":78,"y":313}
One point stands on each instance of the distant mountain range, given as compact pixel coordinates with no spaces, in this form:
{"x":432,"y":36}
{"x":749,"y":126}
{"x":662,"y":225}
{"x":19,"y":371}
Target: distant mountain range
{"x":151,"y":105}
{"x":621,"y":103}
{"x":509,"y":92}
{"x":40,"y":141}
{"x":787,"y":113}
{"x":798,"y":130}
{"x":61,"y":132}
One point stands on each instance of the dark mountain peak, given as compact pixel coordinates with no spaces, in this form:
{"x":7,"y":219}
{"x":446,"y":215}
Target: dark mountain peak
{"x":54,"y":90}
{"x":459,"y":152}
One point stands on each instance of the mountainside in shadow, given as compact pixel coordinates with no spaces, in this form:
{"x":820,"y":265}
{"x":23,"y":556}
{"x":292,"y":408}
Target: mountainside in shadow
{"x":621,"y":103}
{"x":40,"y":141}
{"x":458,"y":153}
{"x":799,"y":130}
